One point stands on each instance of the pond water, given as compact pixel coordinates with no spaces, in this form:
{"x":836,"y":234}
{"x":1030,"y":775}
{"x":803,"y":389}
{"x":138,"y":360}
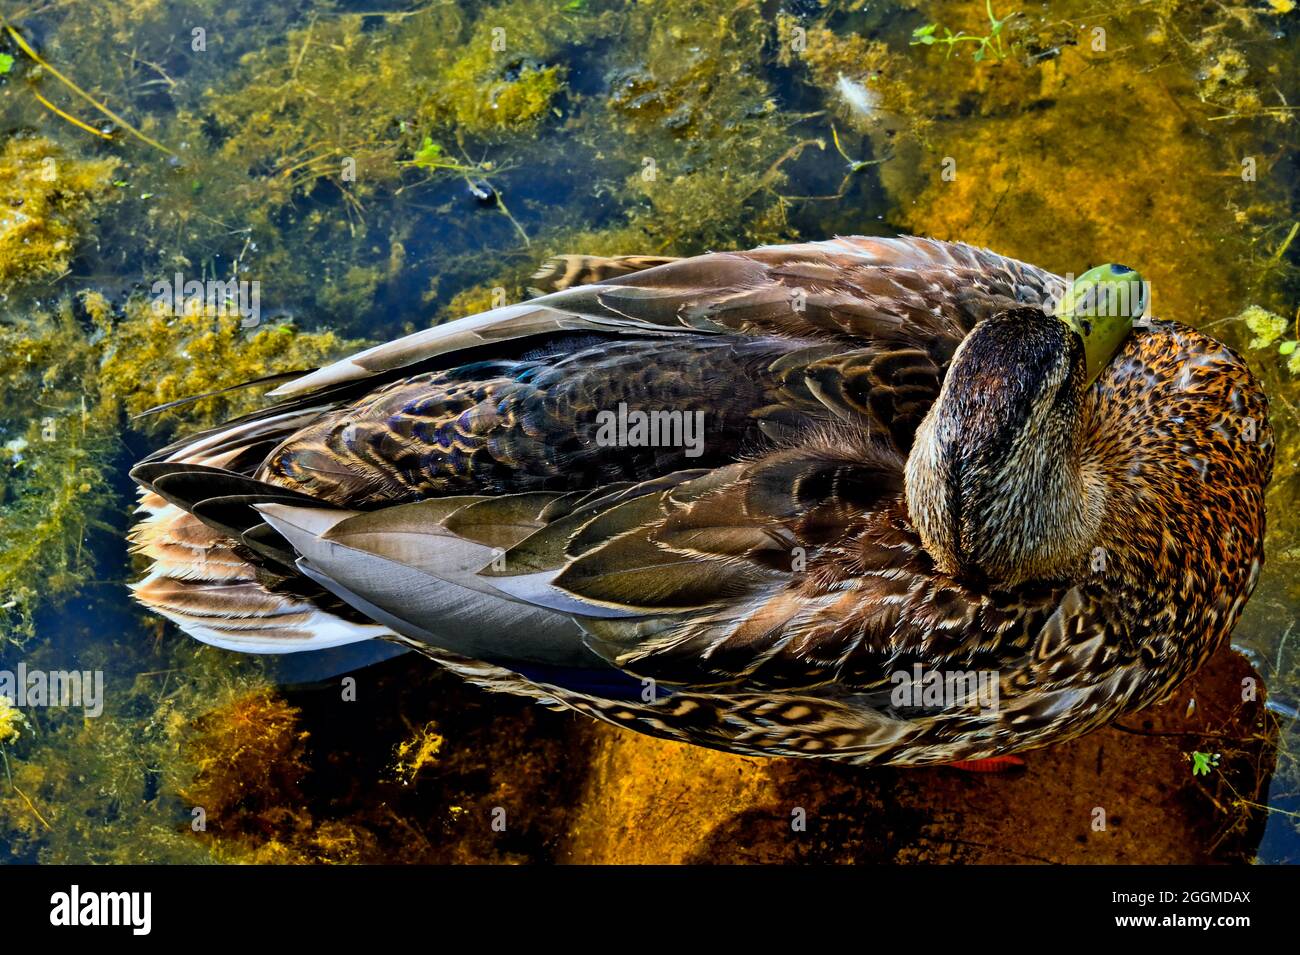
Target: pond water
{"x":379,"y":167}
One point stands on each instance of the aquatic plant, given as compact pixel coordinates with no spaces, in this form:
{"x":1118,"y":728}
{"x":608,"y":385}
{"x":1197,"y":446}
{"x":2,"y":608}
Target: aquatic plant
{"x":47,"y":201}
{"x":835,"y":59}
{"x":54,"y":485}
{"x":105,"y":789}
{"x":153,"y":356}
{"x":1202,"y":763}
{"x":248,"y":756}
{"x":12,"y":721}
{"x":989,"y":44}
{"x":68,"y":375}
{"x":1269,"y":331}
{"x":48,"y":68}
{"x":416,"y":752}
{"x":430,"y":156}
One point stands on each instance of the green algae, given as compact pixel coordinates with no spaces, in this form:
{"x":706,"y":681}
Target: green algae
{"x":111,"y":789}
{"x":46,"y":200}
{"x":69,"y":376}
{"x":153,"y":356}
{"x":54,"y":485}
{"x":1268,"y":331}
{"x":997,"y":177}
{"x":506,"y":77}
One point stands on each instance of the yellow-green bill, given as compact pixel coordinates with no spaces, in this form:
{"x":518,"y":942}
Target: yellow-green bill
{"x":1101,"y":306}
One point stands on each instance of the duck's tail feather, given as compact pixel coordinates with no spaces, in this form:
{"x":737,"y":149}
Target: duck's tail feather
{"x":200,"y":581}
{"x":218,"y":572}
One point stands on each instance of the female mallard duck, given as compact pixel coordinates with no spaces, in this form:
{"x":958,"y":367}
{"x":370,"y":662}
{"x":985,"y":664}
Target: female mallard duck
{"x":935,"y":509}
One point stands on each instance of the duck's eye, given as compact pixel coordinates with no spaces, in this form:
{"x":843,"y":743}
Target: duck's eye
{"x":1086,"y":327}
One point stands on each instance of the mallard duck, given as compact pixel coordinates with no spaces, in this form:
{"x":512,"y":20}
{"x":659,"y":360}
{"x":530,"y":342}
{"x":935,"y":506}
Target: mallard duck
{"x":877,"y":500}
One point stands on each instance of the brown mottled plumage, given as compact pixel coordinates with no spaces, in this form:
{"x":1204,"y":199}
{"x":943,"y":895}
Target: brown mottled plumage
{"x":903,"y":465}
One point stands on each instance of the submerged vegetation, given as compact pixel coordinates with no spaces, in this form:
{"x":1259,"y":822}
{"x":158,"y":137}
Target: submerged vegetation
{"x":46,"y":199}
{"x":70,"y":374}
{"x":989,"y":44}
{"x":1270,"y":332}
{"x":375,"y":172}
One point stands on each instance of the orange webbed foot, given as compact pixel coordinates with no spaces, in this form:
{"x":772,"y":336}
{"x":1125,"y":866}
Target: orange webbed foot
{"x":994,"y":764}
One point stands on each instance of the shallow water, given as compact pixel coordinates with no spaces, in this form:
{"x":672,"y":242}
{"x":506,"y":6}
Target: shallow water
{"x":333,"y":155}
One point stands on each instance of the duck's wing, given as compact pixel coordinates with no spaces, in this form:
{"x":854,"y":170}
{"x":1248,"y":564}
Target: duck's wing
{"x":730,"y":608}
{"x":794,"y":571}
{"x":886,"y":313}
{"x":889,"y":292}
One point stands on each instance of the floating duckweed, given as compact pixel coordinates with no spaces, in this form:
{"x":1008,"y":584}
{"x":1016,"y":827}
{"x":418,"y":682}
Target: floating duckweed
{"x":1202,"y":763}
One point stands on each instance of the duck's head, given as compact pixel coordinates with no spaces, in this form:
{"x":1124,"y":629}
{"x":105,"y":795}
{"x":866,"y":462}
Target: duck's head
{"x":1000,"y":483}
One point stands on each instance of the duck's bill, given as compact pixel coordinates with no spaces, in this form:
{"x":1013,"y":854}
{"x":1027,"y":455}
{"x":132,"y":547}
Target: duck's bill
{"x":1101,"y":306}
